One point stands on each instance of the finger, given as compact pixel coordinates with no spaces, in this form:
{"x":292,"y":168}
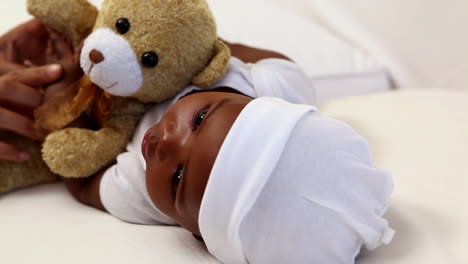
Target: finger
{"x":6,"y":66}
{"x":35,"y":27}
{"x":64,"y":50}
{"x":37,"y":76}
{"x":61,"y":47}
{"x":28,"y":63}
{"x":11,"y":153}
{"x":17,"y":123}
{"x":19,"y":93}
{"x":79,"y":48}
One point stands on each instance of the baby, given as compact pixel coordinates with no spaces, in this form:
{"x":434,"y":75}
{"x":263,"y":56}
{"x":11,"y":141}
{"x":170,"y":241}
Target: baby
{"x":266,"y":181}
{"x":261,"y":181}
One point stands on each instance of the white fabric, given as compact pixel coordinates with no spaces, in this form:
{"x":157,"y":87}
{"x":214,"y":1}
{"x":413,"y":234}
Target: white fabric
{"x":123,"y":186}
{"x":307,"y":185}
{"x":46,"y":225}
{"x":420,"y":137}
{"x":419,"y":41}
{"x":265,"y":24}
{"x":335,"y":86}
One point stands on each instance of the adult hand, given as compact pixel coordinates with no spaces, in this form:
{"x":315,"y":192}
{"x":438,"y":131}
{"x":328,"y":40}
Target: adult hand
{"x":23,"y":83}
{"x":20,"y":92}
{"x":29,"y":42}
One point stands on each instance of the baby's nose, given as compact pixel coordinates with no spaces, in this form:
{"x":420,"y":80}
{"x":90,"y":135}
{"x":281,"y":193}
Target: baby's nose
{"x":169,"y":143}
{"x":96,"y":56}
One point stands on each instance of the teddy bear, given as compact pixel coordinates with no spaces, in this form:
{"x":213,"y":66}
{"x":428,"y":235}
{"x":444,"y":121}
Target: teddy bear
{"x":139,"y":52}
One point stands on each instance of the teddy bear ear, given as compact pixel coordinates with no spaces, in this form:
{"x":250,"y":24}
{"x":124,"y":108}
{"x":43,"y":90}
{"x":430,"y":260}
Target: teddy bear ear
{"x":216,"y":68}
{"x":73,"y":18}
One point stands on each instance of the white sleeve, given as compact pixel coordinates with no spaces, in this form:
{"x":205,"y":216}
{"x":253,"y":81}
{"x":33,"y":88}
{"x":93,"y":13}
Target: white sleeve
{"x":124,"y":195}
{"x":283,"y":79}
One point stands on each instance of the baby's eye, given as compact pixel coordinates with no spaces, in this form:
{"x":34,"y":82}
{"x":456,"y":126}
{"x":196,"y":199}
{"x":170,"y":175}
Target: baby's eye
{"x":177,"y":177}
{"x":199,"y":117}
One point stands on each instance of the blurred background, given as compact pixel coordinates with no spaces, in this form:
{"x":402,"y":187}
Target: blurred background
{"x":347,"y":47}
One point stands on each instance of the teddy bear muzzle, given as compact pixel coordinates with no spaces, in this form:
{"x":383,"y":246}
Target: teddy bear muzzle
{"x":111,"y":63}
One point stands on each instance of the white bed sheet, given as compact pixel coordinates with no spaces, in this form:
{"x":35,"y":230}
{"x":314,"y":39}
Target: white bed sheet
{"x":46,"y":225}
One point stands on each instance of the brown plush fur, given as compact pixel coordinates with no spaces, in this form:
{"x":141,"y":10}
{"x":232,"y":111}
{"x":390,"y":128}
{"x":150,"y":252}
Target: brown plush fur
{"x":75,"y":152}
{"x":75,"y":18}
{"x":182,"y":32}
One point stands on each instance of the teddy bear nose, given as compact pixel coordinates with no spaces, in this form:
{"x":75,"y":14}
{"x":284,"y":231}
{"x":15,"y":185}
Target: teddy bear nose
{"x":96,"y":56}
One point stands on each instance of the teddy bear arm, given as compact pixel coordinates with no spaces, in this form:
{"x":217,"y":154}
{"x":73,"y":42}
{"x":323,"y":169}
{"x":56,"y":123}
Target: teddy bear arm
{"x":74,"y":18}
{"x":77,"y":153}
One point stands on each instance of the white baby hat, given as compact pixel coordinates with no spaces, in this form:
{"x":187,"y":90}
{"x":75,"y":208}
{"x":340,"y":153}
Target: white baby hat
{"x":292,"y":186}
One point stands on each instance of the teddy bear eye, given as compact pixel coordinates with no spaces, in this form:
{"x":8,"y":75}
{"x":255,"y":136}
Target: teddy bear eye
{"x":150,"y":59}
{"x":122,"y":25}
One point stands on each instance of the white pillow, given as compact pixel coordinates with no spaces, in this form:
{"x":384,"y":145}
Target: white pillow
{"x":264,"y":24}
{"x":421,"y":42}
{"x":337,"y":68}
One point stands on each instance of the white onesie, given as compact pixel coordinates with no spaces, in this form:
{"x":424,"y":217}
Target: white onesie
{"x":123,"y":186}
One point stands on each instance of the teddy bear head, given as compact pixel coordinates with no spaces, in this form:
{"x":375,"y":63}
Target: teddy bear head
{"x":151,"y":49}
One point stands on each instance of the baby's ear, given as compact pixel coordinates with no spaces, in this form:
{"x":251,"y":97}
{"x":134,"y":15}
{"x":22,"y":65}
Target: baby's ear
{"x":216,"y":68}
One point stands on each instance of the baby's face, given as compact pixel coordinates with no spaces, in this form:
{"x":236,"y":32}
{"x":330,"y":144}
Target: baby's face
{"x":181,"y":149}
